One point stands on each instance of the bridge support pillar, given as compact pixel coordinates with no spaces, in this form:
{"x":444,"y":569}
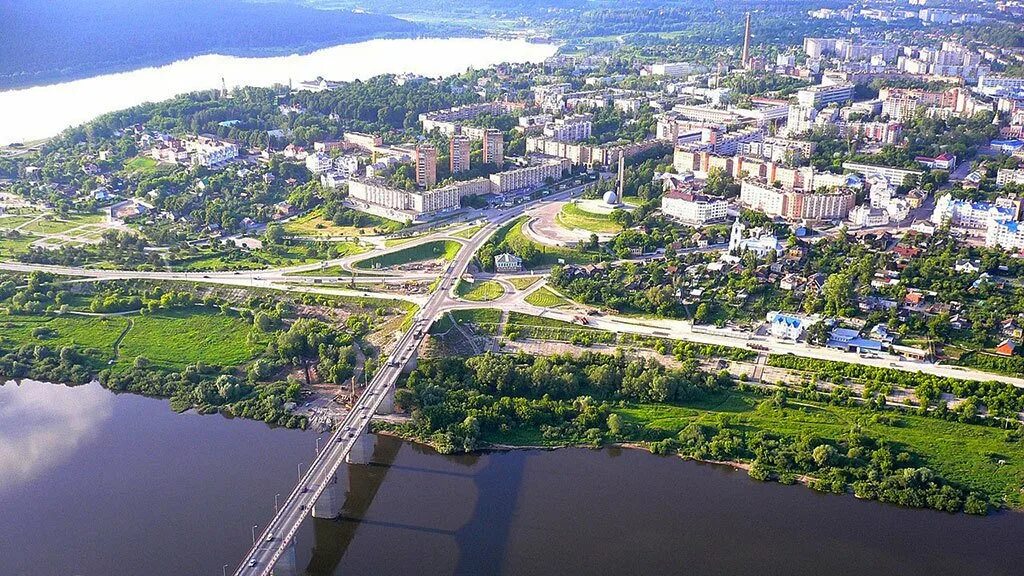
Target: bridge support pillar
{"x":387,"y":403}
{"x":362,"y":450}
{"x":412,"y":363}
{"x":328,"y":505}
{"x":288,"y":563}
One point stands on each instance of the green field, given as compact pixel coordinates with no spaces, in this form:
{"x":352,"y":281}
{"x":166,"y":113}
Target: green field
{"x":70,"y":330}
{"x":479,"y":291}
{"x":12,"y":247}
{"x":438,"y":249}
{"x":176,"y":339}
{"x":545,"y":298}
{"x":11,"y":222}
{"x":468,"y":232}
{"x":572,"y":216}
{"x":962,"y":453}
{"x":523,"y":282}
{"x":58,"y":225}
{"x":485,"y":319}
{"x":314,"y":224}
{"x":512,"y":235}
{"x":145,"y":164}
{"x":170,"y":339}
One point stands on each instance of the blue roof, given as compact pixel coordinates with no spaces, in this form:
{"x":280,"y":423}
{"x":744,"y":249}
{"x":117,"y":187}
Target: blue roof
{"x":845,"y":333}
{"x":788,"y":320}
{"x":1014,"y":143}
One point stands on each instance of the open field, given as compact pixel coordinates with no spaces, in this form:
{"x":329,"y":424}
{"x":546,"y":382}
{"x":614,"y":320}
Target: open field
{"x":58,"y":225}
{"x":175,"y":339}
{"x":547,"y":299}
{"x":484,"y":291}
{"x":962,"y":453}
{"x":314,"y":224}
{"x":56,"y":332}
{"x":438,"y":249}
{"x":512,"y":234}
{"x":524,"y":282}
{"x":572,"y":216}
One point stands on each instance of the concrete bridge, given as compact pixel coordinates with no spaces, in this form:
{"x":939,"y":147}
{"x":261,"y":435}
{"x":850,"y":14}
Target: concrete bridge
{"x":318,"y":493}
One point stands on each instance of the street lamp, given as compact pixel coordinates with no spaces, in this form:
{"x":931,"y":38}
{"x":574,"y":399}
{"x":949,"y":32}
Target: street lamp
{"x":224,"y":570}
{"x":253,"y":534}
{"x":276,"y":496}
{"x":299,"y":468}
{"x":318,"y":445}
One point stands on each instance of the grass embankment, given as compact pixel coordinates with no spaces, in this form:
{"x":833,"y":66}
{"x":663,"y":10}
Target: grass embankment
{"x":438,"y":249}
{"x":545,"y":298}
{"x":512,"y":235}
{"x":572,"y":216}
{"x":468,"y":232}
{"x":523,"y":282}
{"x":966,"y":454}
{"x":169,"y":339}
{"x":315,"y":225}
{"x":526,"y":326}
{"x":486,"y":320}
{"x":479,"y":291}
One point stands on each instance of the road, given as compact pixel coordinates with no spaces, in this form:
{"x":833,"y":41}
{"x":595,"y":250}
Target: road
{"x":279,"y":534}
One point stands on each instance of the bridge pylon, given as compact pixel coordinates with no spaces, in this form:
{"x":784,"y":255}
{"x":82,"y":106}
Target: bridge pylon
{"x":387,"y":403}
{"x":362,"y":449}
{"x":329,"y":504}
{"x":288,"y":563}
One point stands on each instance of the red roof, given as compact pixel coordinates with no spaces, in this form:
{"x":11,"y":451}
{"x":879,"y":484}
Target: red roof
{"x":1006,"y":348}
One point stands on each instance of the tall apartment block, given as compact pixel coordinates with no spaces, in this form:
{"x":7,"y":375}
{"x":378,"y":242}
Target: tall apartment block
{"x":459,"y":153}
{"x":494,"y":147}
{"x":426,"y":165}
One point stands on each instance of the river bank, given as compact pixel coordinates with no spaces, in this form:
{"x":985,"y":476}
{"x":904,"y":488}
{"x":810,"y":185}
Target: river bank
{"x":46,"y":110}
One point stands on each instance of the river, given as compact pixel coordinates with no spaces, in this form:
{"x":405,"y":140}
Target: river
{"x":97,"y":484}
{"x":42,"y":111}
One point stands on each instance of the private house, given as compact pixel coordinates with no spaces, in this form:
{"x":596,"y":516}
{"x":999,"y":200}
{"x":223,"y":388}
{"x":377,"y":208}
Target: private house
{"x":1006,"y":347}
{"x":508,"y":262}
{"x":786,"y":326}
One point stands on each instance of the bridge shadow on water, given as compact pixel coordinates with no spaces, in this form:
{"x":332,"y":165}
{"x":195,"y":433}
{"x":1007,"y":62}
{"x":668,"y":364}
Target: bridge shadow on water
{"x":481,"y":541}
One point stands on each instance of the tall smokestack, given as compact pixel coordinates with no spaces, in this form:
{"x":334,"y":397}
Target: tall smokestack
{"x":746,"y":42}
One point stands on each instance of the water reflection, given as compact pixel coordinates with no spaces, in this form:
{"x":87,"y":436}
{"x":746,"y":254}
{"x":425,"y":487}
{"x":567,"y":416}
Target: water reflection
{"x":45,"y":110}
{"x":41,"y":427}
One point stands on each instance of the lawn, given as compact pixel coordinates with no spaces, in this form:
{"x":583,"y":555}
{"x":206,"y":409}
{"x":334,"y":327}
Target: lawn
{"x":512,"y":234}
{"x":12,"y":247}
{"x":145,"y":164}
{"x":479,"y":291}
{"x":12,"y":222}
{"x":314,"y":224}
{"x":58,"y":225}
{"x":468,"y":232}
{"x":438,"y":249}
{"x":962,"y":453}
{"x":485,"y":319}
{"x":523,"y":282}
{"x":175,"y":339}
{"x":69,"y":330}
{"x":527,"y":326}
{"x":545,"y":298}
{"x":572,"y":216}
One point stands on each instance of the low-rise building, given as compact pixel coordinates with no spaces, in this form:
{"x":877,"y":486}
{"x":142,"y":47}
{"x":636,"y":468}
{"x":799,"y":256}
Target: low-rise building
{"x":507,"y":262}
{"x":786,"y":326}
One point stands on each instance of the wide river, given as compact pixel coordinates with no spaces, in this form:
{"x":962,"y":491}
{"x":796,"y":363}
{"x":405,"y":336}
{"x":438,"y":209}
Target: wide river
{"x":97,"y":484}
{"x":42,"y":111}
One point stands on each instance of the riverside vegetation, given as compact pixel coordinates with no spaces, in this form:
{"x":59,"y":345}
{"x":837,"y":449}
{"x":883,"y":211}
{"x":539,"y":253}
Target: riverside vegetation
{"x":824,"y":439}
{"x":206,"y":350}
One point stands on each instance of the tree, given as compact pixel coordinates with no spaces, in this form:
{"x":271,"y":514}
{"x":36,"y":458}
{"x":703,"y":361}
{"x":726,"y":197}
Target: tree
{"x":614,"y":424}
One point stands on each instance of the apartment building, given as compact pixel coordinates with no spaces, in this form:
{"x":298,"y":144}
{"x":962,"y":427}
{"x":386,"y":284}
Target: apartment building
{"x":694,"y":209}
{"x":571,"y":128}
{"x":797,"y":204}
{"x":529,"y":176}
{"x":459,"y":152}
{"x":494,"y":147}
{"x":426,"y":165}
{"x":825,"y":94}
